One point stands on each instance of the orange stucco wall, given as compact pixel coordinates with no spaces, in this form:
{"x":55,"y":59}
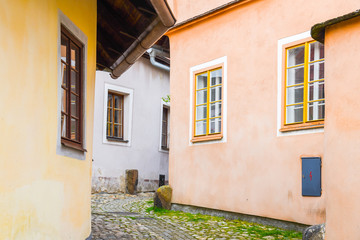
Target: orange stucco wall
{"x":254,"y":171}
{"x":342,"y":131}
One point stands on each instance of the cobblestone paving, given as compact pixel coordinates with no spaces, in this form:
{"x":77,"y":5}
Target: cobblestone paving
{"x":116,"y":216}
{"x":122,"y":216}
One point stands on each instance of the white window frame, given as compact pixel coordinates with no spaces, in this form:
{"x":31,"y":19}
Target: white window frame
{"x":128,"y":109}
{"x":280,"y":92}
{"x":193,"y":70}
{"x":164,"y":105}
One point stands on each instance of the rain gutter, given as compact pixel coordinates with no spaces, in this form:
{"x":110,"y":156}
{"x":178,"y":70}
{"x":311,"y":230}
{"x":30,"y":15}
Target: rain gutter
{"x":155,"y":52}
{"x":318,"y":30}
{"x":157,"y":28}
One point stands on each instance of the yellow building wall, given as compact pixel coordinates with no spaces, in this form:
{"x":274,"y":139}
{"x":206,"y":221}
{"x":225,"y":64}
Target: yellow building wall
{"x":42,"y":195}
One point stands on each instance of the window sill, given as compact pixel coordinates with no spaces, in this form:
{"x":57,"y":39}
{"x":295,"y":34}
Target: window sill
{"x":165,"y":148}
{"x":71,"y":144}
{"x":115,"y":139}
{"x":207,"y":138}
{"x":303,"y":126}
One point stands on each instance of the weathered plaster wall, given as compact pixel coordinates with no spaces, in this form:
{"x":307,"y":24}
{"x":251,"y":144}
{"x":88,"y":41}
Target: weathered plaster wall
{"x":149,"y":84}
{"x":255,"y":171}
{"x":342,"y":130}
{"x":42,"y":195}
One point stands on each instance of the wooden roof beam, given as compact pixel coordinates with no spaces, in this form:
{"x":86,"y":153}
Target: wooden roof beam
{"x":165,"y":20}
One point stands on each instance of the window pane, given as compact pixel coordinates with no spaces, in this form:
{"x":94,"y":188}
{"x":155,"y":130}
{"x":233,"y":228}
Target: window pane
{"x":200,"y":128}
{"x":74,"y":105}
{"x":74,"y":81}
{"x":64,"y":75}
{"x":215,"y":93}
{"x":63,"y":100}
{"x":295,"y":75}
{"x":201,"y":112}
{"x":316,"y":91}
{"x":109,"y":130}
{"x":316,"y":71}
{"x":117,"y":101}
{"x":64,"y":44}
{"x":201,"y":97}
{"x":201,"y":81}
{"x":294,"y":114}
{"x":316,"y":51}
{"x":215,"y":125}
{"x":295,"y":94}
{"x":164,"y":128}
{"x":110,"y":100}
{"x":63,"y":125}
{"x":74,"y":135}
{"x":163,"y":140}
{"x":316,"y":110}
{"x":215,"y":77}
{"x":117,"y":116}
{"x":116,"y":130}
{"x":110,"y":117}
{"x":296,"y":56}
{"x":165,"y":114}
{"x":215,"y":109}
{"x":74,"y":57}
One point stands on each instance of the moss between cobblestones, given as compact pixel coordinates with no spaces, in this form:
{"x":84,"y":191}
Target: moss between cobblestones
{"x":218,"y":226}
{"x":153,"y":223}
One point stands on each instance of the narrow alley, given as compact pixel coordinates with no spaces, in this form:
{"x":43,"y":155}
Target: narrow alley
{"x":123,"y":216}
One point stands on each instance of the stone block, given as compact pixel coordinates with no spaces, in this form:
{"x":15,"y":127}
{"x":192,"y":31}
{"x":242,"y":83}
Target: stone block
{"x":162,"y":198}
{"x":131,"y":181}
{"x":315,"y":232}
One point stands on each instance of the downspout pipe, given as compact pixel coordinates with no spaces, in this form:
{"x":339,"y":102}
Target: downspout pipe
{"x":162,"y":23}
{"x":152,"y":53}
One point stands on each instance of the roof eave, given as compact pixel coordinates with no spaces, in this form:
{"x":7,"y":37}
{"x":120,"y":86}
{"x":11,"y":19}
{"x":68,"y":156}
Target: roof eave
{"x":318,"y":30}
{"x":162,"y":23}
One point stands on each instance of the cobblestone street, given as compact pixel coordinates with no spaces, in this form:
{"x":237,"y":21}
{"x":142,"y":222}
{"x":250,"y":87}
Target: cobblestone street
{"x":122,"y":216}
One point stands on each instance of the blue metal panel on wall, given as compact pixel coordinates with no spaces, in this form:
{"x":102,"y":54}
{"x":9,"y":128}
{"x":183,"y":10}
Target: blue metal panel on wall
{"x":311,"y":176}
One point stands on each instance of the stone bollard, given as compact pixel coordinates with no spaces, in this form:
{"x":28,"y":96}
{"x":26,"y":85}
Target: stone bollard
{"x":131,"y":181}
{"x":315,"y":232}
{"x":162,"y":197}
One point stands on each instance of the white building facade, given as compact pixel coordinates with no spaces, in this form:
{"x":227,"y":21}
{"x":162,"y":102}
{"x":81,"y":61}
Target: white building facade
{"x":131,"y":128}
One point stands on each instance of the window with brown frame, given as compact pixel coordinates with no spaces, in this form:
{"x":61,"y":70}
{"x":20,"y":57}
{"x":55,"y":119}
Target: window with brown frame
{"x":115,"y":117}
{"x":71,"y":90}
{"x":165,"y":129}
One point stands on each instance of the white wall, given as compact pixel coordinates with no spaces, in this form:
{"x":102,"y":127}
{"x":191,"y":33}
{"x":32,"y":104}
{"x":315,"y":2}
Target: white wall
{"x":143,"y":152}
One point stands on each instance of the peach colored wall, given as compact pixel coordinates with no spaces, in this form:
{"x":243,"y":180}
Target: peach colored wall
{"x":254,"y":172}
{"x":342,"y":131}
{"x":187,"y":9}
